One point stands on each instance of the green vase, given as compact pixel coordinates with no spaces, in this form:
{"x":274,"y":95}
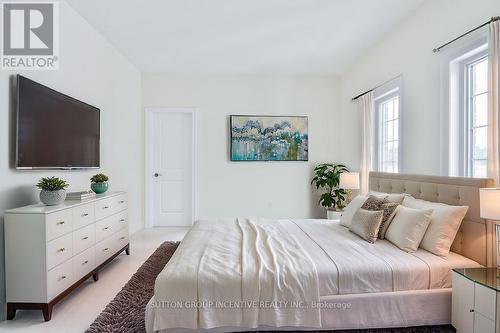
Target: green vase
{"x":99,"y":188}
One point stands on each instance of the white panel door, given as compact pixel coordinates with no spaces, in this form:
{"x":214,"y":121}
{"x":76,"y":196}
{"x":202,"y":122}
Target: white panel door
{"x":171,"y":168}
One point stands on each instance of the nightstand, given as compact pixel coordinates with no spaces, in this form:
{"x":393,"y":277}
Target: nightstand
{"x":475,"y":300}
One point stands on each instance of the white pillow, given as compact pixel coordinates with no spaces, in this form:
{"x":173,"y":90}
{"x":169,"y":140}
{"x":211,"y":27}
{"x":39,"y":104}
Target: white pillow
{"x":351,"y":209}
{"x":391,"y":197}
{"x":408,"y":228}
{"x":445,"y":222}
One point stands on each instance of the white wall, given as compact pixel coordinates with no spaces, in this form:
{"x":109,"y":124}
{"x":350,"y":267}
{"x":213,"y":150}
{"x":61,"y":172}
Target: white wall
{"x":270,"y":189}
{"x":408,"y":51}
{"x":93,"y":71}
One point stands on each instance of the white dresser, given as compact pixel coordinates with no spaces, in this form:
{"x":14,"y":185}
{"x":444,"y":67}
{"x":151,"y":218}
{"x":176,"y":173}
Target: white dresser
{"x":51,"y":250}
{"x":476,"y":300}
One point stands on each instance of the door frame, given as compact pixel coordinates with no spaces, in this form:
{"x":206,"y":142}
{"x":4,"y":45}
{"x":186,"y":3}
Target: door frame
{"x":148,"y":133}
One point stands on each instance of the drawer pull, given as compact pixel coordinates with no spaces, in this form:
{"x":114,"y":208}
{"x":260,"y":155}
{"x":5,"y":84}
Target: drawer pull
{"x":85,"y":214}
{"x":85,"y":262}
{"x":60,"y":222}
{"x":84,"y":238}
{"x":105,"y":228}
{"x":63,"y":277}
{"x":122,"y":220}
{"x":106,"y":249}
{"x":62,"y":249}
{"x":121,"y":201}
{"x":105,"y":207}
{"x":122,"y":238}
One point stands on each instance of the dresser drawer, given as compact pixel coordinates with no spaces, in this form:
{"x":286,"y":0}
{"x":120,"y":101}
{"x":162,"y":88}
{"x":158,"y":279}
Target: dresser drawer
{"x":121,"y":220}
{"x":83,"y":238}
{"x":120,"y":202}
{"x":59,"y":250}
{"x":104,"y":208}
{"x":121,"y":238}
{"x":104,"y":250}
{"x":105,"y":228}
{"x":83,"y":215}
{"x":59,"y":279}
{"x":84,"y":263}
{"x":58,"y":224}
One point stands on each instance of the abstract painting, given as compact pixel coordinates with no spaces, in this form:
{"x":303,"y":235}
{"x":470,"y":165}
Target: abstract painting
{"x":269,"y":138}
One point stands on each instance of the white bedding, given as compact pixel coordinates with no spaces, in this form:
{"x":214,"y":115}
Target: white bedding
{"x":297,"y":260}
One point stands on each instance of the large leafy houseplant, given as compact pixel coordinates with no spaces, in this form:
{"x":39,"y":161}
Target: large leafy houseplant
{"x":327,"y":177}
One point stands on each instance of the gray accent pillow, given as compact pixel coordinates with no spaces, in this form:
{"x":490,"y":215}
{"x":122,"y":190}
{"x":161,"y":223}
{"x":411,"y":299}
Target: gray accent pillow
{"x":366,"y":224}
{"x":374,"y":203}
{"x":389,"y":209}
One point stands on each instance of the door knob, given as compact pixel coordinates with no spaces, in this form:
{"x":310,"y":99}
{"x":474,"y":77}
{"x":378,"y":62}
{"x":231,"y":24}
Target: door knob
{"x":157,"y":174}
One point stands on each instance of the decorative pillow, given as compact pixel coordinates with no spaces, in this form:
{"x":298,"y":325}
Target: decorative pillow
{"x":444,"y":225}
{"x":351,"y":209}
{"x":391,"y":197}
{"x":366,"y":224}
{"x":408,"y":228}
{"x":374,"y":203}
{"x":389,"y":209}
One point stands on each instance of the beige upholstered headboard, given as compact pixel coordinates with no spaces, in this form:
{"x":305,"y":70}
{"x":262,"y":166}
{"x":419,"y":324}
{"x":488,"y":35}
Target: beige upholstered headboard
{"x":476,"y":237}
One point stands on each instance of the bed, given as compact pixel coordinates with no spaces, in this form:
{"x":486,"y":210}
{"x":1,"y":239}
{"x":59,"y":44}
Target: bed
{"x":256,"y":274}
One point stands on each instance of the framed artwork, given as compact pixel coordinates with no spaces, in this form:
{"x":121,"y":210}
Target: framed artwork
{"x":269,"y":138}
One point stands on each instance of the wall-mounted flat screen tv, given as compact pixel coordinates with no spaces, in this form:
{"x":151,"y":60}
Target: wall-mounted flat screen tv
{"x":54,"y":131}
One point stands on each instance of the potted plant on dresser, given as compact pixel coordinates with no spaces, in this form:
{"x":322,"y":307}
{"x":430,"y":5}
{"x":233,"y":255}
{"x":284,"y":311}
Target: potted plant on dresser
{"x":327,"y":178}
{"x":53,"y":190}
{"x":99,"y":183}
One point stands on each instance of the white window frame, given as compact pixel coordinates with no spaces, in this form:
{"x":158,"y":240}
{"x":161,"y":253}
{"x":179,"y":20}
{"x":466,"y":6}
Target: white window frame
{"x":467,"y":111}
{"x":453,"y":119}
{"x":382,"y":94}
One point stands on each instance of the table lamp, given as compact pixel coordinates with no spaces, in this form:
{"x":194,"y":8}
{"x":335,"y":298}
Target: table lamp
{"x":489,"y":202}
{"x":349,"y":181}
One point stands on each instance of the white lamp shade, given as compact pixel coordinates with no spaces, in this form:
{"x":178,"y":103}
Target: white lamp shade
{"x":490,"y":203}
{"x":349,"y":181}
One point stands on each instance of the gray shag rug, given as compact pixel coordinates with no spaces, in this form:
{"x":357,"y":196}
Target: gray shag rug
{"x":125,"y":313}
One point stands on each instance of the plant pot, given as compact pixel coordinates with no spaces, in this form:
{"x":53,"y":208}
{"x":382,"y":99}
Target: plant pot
{"x":333,"y":214}
{"x":52,"y":198}
{"x":99,"y":188}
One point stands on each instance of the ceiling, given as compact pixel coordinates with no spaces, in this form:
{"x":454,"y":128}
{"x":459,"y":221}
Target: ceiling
{"x":244,"y":36}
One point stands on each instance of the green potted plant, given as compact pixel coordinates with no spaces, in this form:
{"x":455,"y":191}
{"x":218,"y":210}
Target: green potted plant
{"x":53,"y":190}
{"x":327,"y":177}
{"x":99,"y":183}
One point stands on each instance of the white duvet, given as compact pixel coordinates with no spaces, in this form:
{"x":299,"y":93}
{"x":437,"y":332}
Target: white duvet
{"x":249,"y":273}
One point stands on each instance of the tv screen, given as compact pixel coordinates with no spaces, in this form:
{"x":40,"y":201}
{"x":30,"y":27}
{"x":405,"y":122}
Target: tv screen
{"x":54,"y":131}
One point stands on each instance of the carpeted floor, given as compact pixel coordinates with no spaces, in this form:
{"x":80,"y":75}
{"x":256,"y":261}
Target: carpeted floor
{"x":125,"y":313}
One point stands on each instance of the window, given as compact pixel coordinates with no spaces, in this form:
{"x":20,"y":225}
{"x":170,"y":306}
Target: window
{"x":464,"y":140}
{"x":476,"y":113}
{"x":387,"y":125}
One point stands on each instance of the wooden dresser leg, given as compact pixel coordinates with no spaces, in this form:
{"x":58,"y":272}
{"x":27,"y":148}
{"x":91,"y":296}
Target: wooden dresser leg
{"x":11,"y":311}
{"x":127,"y":250}
{"x":47,"y":312}
{"x":95,"y":276}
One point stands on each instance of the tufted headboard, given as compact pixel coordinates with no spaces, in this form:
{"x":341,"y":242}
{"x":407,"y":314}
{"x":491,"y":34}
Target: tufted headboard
{"x":476,"y":237}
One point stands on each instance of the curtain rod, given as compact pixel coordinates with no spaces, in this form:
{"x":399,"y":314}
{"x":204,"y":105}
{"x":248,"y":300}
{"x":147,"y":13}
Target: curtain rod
{"x":378,"y":86}
{"x":493,"y":19}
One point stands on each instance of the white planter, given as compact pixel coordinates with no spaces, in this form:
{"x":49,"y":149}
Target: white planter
{"x":52,"y":198}
{"x":333,"y":214}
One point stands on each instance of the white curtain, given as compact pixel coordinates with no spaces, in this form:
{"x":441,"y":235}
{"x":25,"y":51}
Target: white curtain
{"x":493,"y":101}
{"x":366,"y":106}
